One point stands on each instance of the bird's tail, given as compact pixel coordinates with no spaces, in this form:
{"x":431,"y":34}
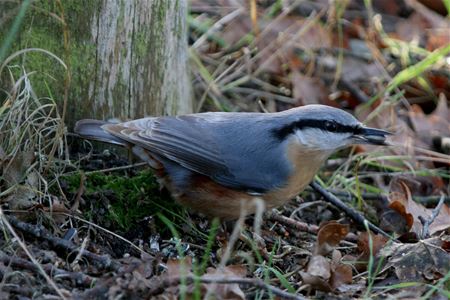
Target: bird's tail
{"x":92,"y":130}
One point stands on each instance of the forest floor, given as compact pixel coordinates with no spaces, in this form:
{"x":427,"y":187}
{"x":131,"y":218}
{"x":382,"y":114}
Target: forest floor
{"x":88,"y":222}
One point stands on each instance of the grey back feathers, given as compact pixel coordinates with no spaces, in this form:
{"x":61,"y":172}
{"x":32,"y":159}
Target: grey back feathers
{"x":92,"y":129}
{"x":245,"y":151}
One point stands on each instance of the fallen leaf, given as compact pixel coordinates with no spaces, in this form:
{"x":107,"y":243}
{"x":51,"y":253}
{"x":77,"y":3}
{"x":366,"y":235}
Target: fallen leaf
{"x":329,"y":236}
{"x":225,"y":291}
{"x":436,"y":124}
{"x":361,"y":261}
{"x":341,"y":274}
{"x":318,"y":273}
{"x":392,"y":221}
{"x":415,"y":262}
{"x":425,"y":26}
{"x":378,"y":242}
{"x":308,"y":90}
{"x":321,"y":273}
{"x":177,"y":268}
{"x":400,"y":198}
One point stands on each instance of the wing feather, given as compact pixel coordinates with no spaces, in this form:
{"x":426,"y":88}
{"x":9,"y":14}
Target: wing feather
{"x":179,"y":139}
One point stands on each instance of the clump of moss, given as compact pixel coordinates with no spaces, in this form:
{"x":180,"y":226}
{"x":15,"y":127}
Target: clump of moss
{"x":129,"y":199}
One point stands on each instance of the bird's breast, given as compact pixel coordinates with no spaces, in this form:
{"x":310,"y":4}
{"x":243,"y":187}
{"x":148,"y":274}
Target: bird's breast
{"x":305,"y":165}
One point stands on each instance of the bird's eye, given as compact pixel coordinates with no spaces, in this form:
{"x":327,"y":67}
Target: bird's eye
{"x":330,"y":126}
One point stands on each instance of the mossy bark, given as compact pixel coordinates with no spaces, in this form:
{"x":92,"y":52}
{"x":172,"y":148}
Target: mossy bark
{"x":127,"y":59}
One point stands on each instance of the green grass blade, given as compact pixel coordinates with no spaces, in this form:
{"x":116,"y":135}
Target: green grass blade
{"x":14,"y":29}
{"x":415,"y":70}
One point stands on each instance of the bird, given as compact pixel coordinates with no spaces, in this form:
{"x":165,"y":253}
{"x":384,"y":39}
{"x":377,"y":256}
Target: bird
{"x":216,"y":163}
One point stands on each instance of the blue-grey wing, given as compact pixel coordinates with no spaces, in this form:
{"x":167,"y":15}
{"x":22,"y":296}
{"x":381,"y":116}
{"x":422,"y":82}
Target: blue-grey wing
{"x":228,"y":148}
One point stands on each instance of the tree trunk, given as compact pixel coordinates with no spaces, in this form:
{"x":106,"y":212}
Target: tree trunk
{"x":127,"y":59}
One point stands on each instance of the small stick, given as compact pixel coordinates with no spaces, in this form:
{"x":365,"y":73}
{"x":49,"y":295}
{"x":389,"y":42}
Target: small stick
{"x":426,"y":223}
{"x":140,"y":164}
{"x":301,"y":226}
{"x":426,"y":200}
{"x":351,"y":212}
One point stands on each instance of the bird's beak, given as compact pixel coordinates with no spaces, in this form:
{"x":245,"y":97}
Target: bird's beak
{"x":373,"y":136}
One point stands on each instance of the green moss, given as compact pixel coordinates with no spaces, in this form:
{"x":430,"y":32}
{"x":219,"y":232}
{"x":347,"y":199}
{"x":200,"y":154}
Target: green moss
{"x":130,"y":198}
{"x":42,"y":29}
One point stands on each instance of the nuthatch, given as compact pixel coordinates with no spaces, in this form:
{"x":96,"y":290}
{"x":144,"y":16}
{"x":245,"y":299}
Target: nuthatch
{"x":216,"y":162}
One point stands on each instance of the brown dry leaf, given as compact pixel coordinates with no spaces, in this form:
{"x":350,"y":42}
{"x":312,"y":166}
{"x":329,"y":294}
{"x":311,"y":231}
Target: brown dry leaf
{"x":378,"y":242}
{"x":424,"y":25}
{"x":435,"y":28}
{"x":226,"y":291}
{"x":392,"y":221}
{"x":308,"y":90}
{"x":340,"y":273}
{"x":321,"y":274}
{"x":139,"y":275}
{"x":401,"y":201}
{"x":360,"y":262}
{"x":405,"y":139}
{"x":318,"y":273}
{"x":329,"y":235}
{"x":177,"y":268}
{"x":427,"y":127}
{"x":412,"y":28}
{"x":415,"y":262}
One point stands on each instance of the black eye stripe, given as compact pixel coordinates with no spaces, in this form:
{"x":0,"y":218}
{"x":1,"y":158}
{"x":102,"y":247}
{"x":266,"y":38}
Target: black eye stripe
{"x":325,"y":125}
{"x":331,"y":126}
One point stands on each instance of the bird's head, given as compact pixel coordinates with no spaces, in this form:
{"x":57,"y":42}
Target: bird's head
{"x":325,"y":128}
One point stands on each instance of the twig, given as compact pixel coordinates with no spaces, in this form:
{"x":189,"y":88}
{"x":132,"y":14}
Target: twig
{"x":80,"y":191}
{"x":351,"y":212}
{"x":354,"y":90}
{"x":217,"y":26}
{"x":140,"y":164}
{"x":314,"y":229}
{"x":264,"y":94}
{"x":79,"y":278}
{"x":293,"y":223}
{"x":38,"y":231}
{"x":426,"y":200}
{"x":426,"y":223}
{"x":162,"y":285}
